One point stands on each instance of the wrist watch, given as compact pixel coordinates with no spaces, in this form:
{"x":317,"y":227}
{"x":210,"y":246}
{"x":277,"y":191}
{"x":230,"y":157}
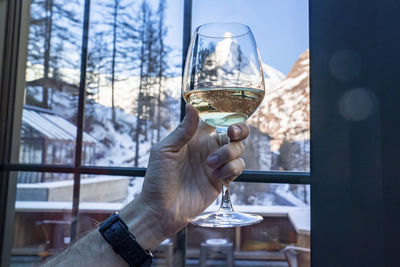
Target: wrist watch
{"x":116,"y":233}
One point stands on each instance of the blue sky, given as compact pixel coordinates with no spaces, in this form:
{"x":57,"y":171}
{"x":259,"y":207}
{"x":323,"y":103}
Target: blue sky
{"x":279,"y":26}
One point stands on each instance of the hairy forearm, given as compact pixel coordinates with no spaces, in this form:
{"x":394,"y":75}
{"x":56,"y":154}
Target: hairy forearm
{"x":90,"y":250}
{"x":93,"y":250}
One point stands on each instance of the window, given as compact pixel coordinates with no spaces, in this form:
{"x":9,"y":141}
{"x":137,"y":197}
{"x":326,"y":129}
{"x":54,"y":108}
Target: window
{"x":43,"y":216}
{"x":279,"y":134}
{"x":70,"y":145}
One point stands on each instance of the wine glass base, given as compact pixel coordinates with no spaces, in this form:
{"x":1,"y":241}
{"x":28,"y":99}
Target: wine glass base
{"x":224,"y":220}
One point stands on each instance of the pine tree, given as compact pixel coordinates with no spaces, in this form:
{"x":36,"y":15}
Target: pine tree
{"x":50,"y":33}
{"x":146,"y":55}
{"x":95,"y":66}
{"x":46,"y":63}
{"x":115,"y":16}
{"x":144,"y":22}
{"x":112,"y":29}
{"x":162,"y":53}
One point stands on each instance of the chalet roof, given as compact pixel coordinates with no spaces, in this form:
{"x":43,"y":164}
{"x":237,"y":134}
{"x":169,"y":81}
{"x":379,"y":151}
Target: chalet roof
{"x":51,"y":125}
{"x":52,"y":83}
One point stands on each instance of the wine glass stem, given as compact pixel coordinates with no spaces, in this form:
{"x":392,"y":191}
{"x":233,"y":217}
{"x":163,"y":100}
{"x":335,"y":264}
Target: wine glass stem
{"x":226,"y":204}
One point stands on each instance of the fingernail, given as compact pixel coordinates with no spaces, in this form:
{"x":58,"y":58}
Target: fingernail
{"x":212,"y":160}
{"x":237,"y":130}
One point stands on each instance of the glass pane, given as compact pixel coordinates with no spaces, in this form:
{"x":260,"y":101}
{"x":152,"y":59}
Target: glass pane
{"x":52,"y":80}
{"x":273,"y":242}
{"x":279,"y":140}
{"x":99,"y":189}
{"x":264,"y":194}
{"x":42,"y":216}
{"x":133,"y":79}
{"x":280,"y":130}
{"x":263,"y":244}
{"x":102,"y":195}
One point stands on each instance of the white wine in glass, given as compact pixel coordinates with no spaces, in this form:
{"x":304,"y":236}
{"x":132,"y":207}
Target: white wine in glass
{"x":223,"y":79}
{"x":221,"y":107}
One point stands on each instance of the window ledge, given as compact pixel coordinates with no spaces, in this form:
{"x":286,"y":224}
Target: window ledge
{"x":298,"y":216}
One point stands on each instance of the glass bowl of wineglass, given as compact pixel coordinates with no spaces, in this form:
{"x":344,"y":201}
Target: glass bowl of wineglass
{"x":223,"y":79}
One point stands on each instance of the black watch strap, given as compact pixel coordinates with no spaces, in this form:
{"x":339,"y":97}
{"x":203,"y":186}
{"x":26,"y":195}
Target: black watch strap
{"x":116,"y":233}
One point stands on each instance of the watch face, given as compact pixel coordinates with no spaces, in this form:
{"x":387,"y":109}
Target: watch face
{"x":116,"y":233}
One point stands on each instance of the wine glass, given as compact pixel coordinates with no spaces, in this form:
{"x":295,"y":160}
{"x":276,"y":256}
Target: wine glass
{"x":223,"y":79}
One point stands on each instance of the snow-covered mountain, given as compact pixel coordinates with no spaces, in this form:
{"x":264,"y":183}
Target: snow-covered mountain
{"x":272,"y":77}
{"x":285,"y":111}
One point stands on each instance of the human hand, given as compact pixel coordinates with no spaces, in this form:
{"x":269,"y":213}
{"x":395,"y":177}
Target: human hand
{"x":185,"y":175}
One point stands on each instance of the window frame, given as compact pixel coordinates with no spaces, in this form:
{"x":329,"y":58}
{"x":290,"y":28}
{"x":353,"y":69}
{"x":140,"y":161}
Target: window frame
{"x":13,"y":50}
{"x":354,"y":167}
{"x":8,"y":168}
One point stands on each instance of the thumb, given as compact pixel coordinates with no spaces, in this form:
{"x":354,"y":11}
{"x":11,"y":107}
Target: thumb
{"x":184,"y":132}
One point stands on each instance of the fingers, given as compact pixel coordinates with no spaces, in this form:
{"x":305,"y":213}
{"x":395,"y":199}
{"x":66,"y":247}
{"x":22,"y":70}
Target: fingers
{"x":225,"y":154}
{"x":238,"y":132}
{"x":230,"y":170}
{"x":184,"y":132}
{"x":204,"y":127}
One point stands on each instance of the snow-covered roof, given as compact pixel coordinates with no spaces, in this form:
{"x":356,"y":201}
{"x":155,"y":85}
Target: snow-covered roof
{"x":299,"y":217}
{"x":51,"y":125}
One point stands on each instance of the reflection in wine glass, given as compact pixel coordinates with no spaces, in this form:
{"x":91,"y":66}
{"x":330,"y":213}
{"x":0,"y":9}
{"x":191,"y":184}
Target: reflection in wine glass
{"x":223,"y":79}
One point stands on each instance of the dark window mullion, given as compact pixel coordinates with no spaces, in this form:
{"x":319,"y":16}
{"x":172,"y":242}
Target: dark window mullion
{"x":80,"y":121}
{"x":187,"y":32}
{"x":277,"y":177}
{"x":286,"y":177}
{"x":180,"y":260}
{"x":11,"y":23}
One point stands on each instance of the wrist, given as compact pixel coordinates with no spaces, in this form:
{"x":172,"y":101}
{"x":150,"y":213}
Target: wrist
{"x":143,"y":223}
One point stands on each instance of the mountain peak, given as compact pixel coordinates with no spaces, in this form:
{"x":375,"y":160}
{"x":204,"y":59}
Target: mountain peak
{"x":285,"y":111}
{"x":272,"y":76}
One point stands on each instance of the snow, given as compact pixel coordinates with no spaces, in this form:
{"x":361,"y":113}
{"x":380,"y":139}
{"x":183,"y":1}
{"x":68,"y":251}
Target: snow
{"x":115,"y":145}
{"x":36,"y":92}
{"x":293,"y":82}
{"x":301,"y":220}
{"x":126,"y":91}
{"x":65,"y":105}
{"x":305,"y":62}
{"x":97,"y":179}
{"x":299,"y":217}
{"x":284,"y":192}
{"x":272,"y":77}
{"x":284,"y":113}
{"x":56,"y":206}
{"x":37,"y":121}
